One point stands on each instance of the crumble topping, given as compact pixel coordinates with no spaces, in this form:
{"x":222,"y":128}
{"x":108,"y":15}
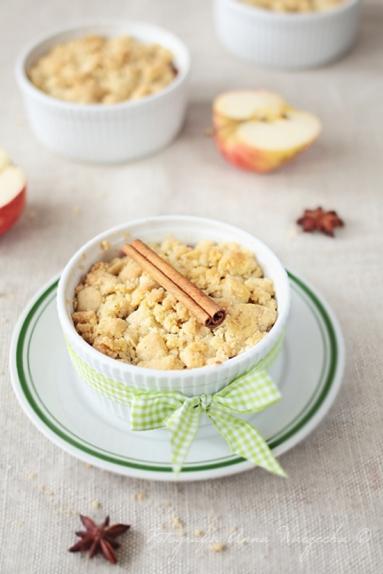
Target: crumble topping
{"x":294,"y":5}
{"x":100,"y":70}
{"x":122,"y":312}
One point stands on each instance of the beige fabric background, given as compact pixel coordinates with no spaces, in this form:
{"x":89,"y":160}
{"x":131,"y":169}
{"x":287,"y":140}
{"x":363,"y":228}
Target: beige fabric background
{"x":328,"y":516}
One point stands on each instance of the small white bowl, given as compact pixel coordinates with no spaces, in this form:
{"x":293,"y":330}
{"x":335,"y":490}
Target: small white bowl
{"x":107,"y":133}
{"x":190,"y":382}
{"x":286,"y":40}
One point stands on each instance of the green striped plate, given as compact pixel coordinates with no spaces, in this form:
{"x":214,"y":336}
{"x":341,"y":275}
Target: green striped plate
{"x":309,"y":373}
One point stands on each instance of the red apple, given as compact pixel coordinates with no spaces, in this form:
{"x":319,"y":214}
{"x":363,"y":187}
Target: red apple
{"x":259,"y":131}
{"x":12,"y":192}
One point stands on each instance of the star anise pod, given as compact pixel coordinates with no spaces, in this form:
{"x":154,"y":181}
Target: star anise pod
{"x":320,"y":220}
{"x":99,"y":538}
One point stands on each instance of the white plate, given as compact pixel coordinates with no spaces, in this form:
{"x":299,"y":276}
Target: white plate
{"x":309,"y":373}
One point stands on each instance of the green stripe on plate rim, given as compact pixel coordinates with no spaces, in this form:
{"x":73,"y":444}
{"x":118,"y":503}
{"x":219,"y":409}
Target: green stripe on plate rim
{"x":292,"y":428}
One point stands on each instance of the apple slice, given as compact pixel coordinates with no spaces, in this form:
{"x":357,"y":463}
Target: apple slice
{"x":259,"y":131}
{"x":267,"y":145}
{"x":12,"y":192}
{"x":247,"y":105}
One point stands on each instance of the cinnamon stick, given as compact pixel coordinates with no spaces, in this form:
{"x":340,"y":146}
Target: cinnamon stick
{"x":202,"y":306}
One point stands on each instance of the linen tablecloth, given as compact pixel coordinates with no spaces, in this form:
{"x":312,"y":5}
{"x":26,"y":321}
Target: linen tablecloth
{"x":327,"y":517}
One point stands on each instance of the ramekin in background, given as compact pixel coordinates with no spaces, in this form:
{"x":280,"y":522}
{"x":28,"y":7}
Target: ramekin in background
{"x":190,"y":382}
{"x":286,"y":40}
{"x":107,"y":133}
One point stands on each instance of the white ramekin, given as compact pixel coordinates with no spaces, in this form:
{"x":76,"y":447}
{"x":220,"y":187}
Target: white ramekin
{"x":189,"y":382}
{"x":107,"y":133}
{"x":286,"y":40}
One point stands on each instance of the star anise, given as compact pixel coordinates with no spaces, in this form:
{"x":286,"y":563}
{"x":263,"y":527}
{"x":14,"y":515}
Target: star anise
{"x":320,"y":220}
{"x":99,"y":538}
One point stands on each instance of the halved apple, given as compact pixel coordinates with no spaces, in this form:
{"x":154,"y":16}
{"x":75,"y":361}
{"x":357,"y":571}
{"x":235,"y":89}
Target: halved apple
{"x":12,"y":192}
{"x":259,"y":131}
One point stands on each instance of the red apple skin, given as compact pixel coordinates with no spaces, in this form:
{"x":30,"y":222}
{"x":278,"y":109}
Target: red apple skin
{"x":248,"y":160}
{"x":251,"y":159}
{"x":238,"y":156}
{"x":11,"y":212}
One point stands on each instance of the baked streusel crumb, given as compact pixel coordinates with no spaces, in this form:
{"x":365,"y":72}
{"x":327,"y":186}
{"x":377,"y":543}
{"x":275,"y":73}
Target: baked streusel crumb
{"x":294,"y":5}
{"x":125,"y":314}
{"x":100,"y":70}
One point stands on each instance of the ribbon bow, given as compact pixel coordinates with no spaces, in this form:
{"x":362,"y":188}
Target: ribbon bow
{"x":249,"y":393}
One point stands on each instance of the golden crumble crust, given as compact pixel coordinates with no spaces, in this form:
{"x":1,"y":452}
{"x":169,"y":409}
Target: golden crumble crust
{"x":100,"y":70}
{"x":294,"y":5}
{"x":122,"y":312}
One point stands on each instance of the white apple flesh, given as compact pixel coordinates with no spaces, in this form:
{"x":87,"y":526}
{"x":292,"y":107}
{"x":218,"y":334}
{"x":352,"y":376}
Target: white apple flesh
{"x":4,"y":160}
{"x":259,"y":131}
{"x":246,"y":105}
{"x":12,"y":193}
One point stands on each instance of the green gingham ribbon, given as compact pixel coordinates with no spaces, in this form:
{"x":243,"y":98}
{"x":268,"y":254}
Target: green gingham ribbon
{"x":249,"y":393}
